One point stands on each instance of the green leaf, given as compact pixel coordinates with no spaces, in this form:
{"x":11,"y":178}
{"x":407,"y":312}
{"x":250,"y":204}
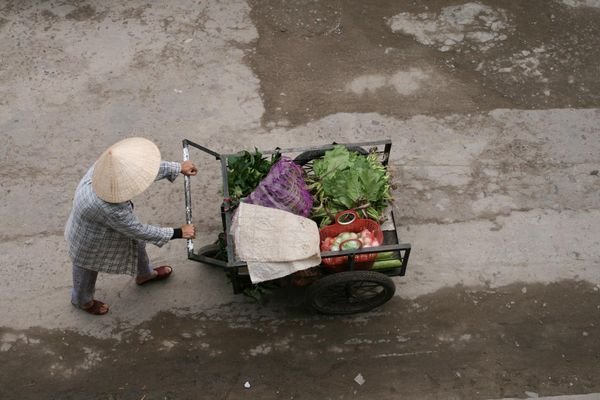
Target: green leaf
{"x":345,"y":180}
{"x":245,"y":170}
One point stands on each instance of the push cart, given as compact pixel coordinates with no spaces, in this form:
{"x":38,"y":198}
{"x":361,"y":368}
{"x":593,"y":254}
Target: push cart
{"x":338,"y":292}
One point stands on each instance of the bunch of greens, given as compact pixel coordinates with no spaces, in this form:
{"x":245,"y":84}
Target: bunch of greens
{"x":344,"y":180}
{"x":245,"y":170}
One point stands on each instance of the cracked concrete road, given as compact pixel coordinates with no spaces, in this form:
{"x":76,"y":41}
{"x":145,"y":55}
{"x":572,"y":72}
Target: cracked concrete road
{"x":493,"y":111}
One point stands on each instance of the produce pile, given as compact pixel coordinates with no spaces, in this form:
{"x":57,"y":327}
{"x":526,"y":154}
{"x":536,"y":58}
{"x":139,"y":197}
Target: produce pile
{"x":246,"y":170}
{"x":350,"y":241}
{"x":340,"y":180}
{"x":345,"y":180}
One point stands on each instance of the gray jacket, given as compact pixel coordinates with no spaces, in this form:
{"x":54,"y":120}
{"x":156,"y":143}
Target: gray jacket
{"x":104,"y":236}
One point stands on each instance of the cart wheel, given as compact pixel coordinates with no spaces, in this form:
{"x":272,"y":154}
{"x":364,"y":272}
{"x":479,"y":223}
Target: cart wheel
{"x":350,"y":292}
{"x":308,"y":156}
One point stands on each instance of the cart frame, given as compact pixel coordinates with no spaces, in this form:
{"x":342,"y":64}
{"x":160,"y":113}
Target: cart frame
{"x":391,"y":240}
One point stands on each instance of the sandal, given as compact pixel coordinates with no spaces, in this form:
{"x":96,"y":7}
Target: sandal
{"x":97,"y":308}
{"x":162,"y":273}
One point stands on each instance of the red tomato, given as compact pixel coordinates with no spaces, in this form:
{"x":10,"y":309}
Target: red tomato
{"x":367,"y":235}
{"x":326,"y":244}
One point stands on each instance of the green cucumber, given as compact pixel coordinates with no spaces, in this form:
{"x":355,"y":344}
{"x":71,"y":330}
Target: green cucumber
{"x":386,"y":255}
{"x":387,"y":264}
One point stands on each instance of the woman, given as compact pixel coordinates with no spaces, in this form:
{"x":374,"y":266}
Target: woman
{"x":103,"y":233}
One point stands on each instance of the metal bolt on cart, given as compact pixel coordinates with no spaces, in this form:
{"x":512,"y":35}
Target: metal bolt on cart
{"x":345,"y":289}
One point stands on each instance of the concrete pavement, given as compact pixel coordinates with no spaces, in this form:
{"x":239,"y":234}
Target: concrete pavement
{"x":496,"y":153}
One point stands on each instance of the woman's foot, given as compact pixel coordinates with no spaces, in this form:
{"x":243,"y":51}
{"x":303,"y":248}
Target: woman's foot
{"x":95,"y":307}
{"x":158,"y":274}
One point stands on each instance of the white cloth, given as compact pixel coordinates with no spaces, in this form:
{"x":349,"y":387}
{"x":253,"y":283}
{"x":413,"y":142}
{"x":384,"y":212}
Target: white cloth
{"x":274,"y":243}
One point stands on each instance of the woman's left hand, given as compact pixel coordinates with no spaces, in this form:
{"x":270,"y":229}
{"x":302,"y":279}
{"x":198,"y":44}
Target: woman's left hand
{"x":188,"y":168}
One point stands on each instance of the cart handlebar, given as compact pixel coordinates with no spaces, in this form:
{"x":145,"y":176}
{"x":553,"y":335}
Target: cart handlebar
{"x":188,"y":197}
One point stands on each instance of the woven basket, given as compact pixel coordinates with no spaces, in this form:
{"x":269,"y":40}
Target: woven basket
{"x":349,"y":221}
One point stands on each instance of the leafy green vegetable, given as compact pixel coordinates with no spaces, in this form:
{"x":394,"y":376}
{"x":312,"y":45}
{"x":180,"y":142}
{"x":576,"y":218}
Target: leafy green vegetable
{"x":221,"y":243}
{"x":245,"y":170}
{"x":344,"y":180}
{"x":260,"y":291}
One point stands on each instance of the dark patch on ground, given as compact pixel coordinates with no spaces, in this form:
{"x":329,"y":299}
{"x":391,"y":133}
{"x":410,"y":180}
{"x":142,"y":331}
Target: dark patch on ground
{"x":457,"y":343}
{"x":7,"y":6}
{"x":85,"y":13}
{"x":136,"y":13}
{"x":308,"y":51}
{"x":49,"y":15}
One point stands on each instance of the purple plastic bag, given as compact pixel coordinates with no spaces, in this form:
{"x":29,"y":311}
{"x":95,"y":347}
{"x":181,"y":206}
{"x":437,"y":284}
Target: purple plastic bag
{"x":283,"y":188}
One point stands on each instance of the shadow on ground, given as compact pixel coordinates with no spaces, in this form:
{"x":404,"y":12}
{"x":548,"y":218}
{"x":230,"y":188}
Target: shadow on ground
{"x":407,"y":58}
{"x":457,"y":343}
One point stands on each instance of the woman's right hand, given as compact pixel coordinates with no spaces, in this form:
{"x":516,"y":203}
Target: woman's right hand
{"x":188,"y":231}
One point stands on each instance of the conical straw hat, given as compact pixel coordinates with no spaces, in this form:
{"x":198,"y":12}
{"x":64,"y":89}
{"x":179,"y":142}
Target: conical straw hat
{"x":126,"y":169}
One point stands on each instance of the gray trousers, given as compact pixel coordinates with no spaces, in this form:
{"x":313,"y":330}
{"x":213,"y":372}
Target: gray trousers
{"x":84,"y":280}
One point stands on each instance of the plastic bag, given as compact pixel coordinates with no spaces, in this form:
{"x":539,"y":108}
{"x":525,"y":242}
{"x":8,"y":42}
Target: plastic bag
{"x":283,"y":188}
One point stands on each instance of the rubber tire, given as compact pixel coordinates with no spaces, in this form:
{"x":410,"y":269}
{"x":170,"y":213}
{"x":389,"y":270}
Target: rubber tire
{"x":322,"y":297}
{"x":308,"y":156}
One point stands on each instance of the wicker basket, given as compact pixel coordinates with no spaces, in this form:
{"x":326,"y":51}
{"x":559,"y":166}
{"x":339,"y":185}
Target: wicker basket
{"x":349,"y":221}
